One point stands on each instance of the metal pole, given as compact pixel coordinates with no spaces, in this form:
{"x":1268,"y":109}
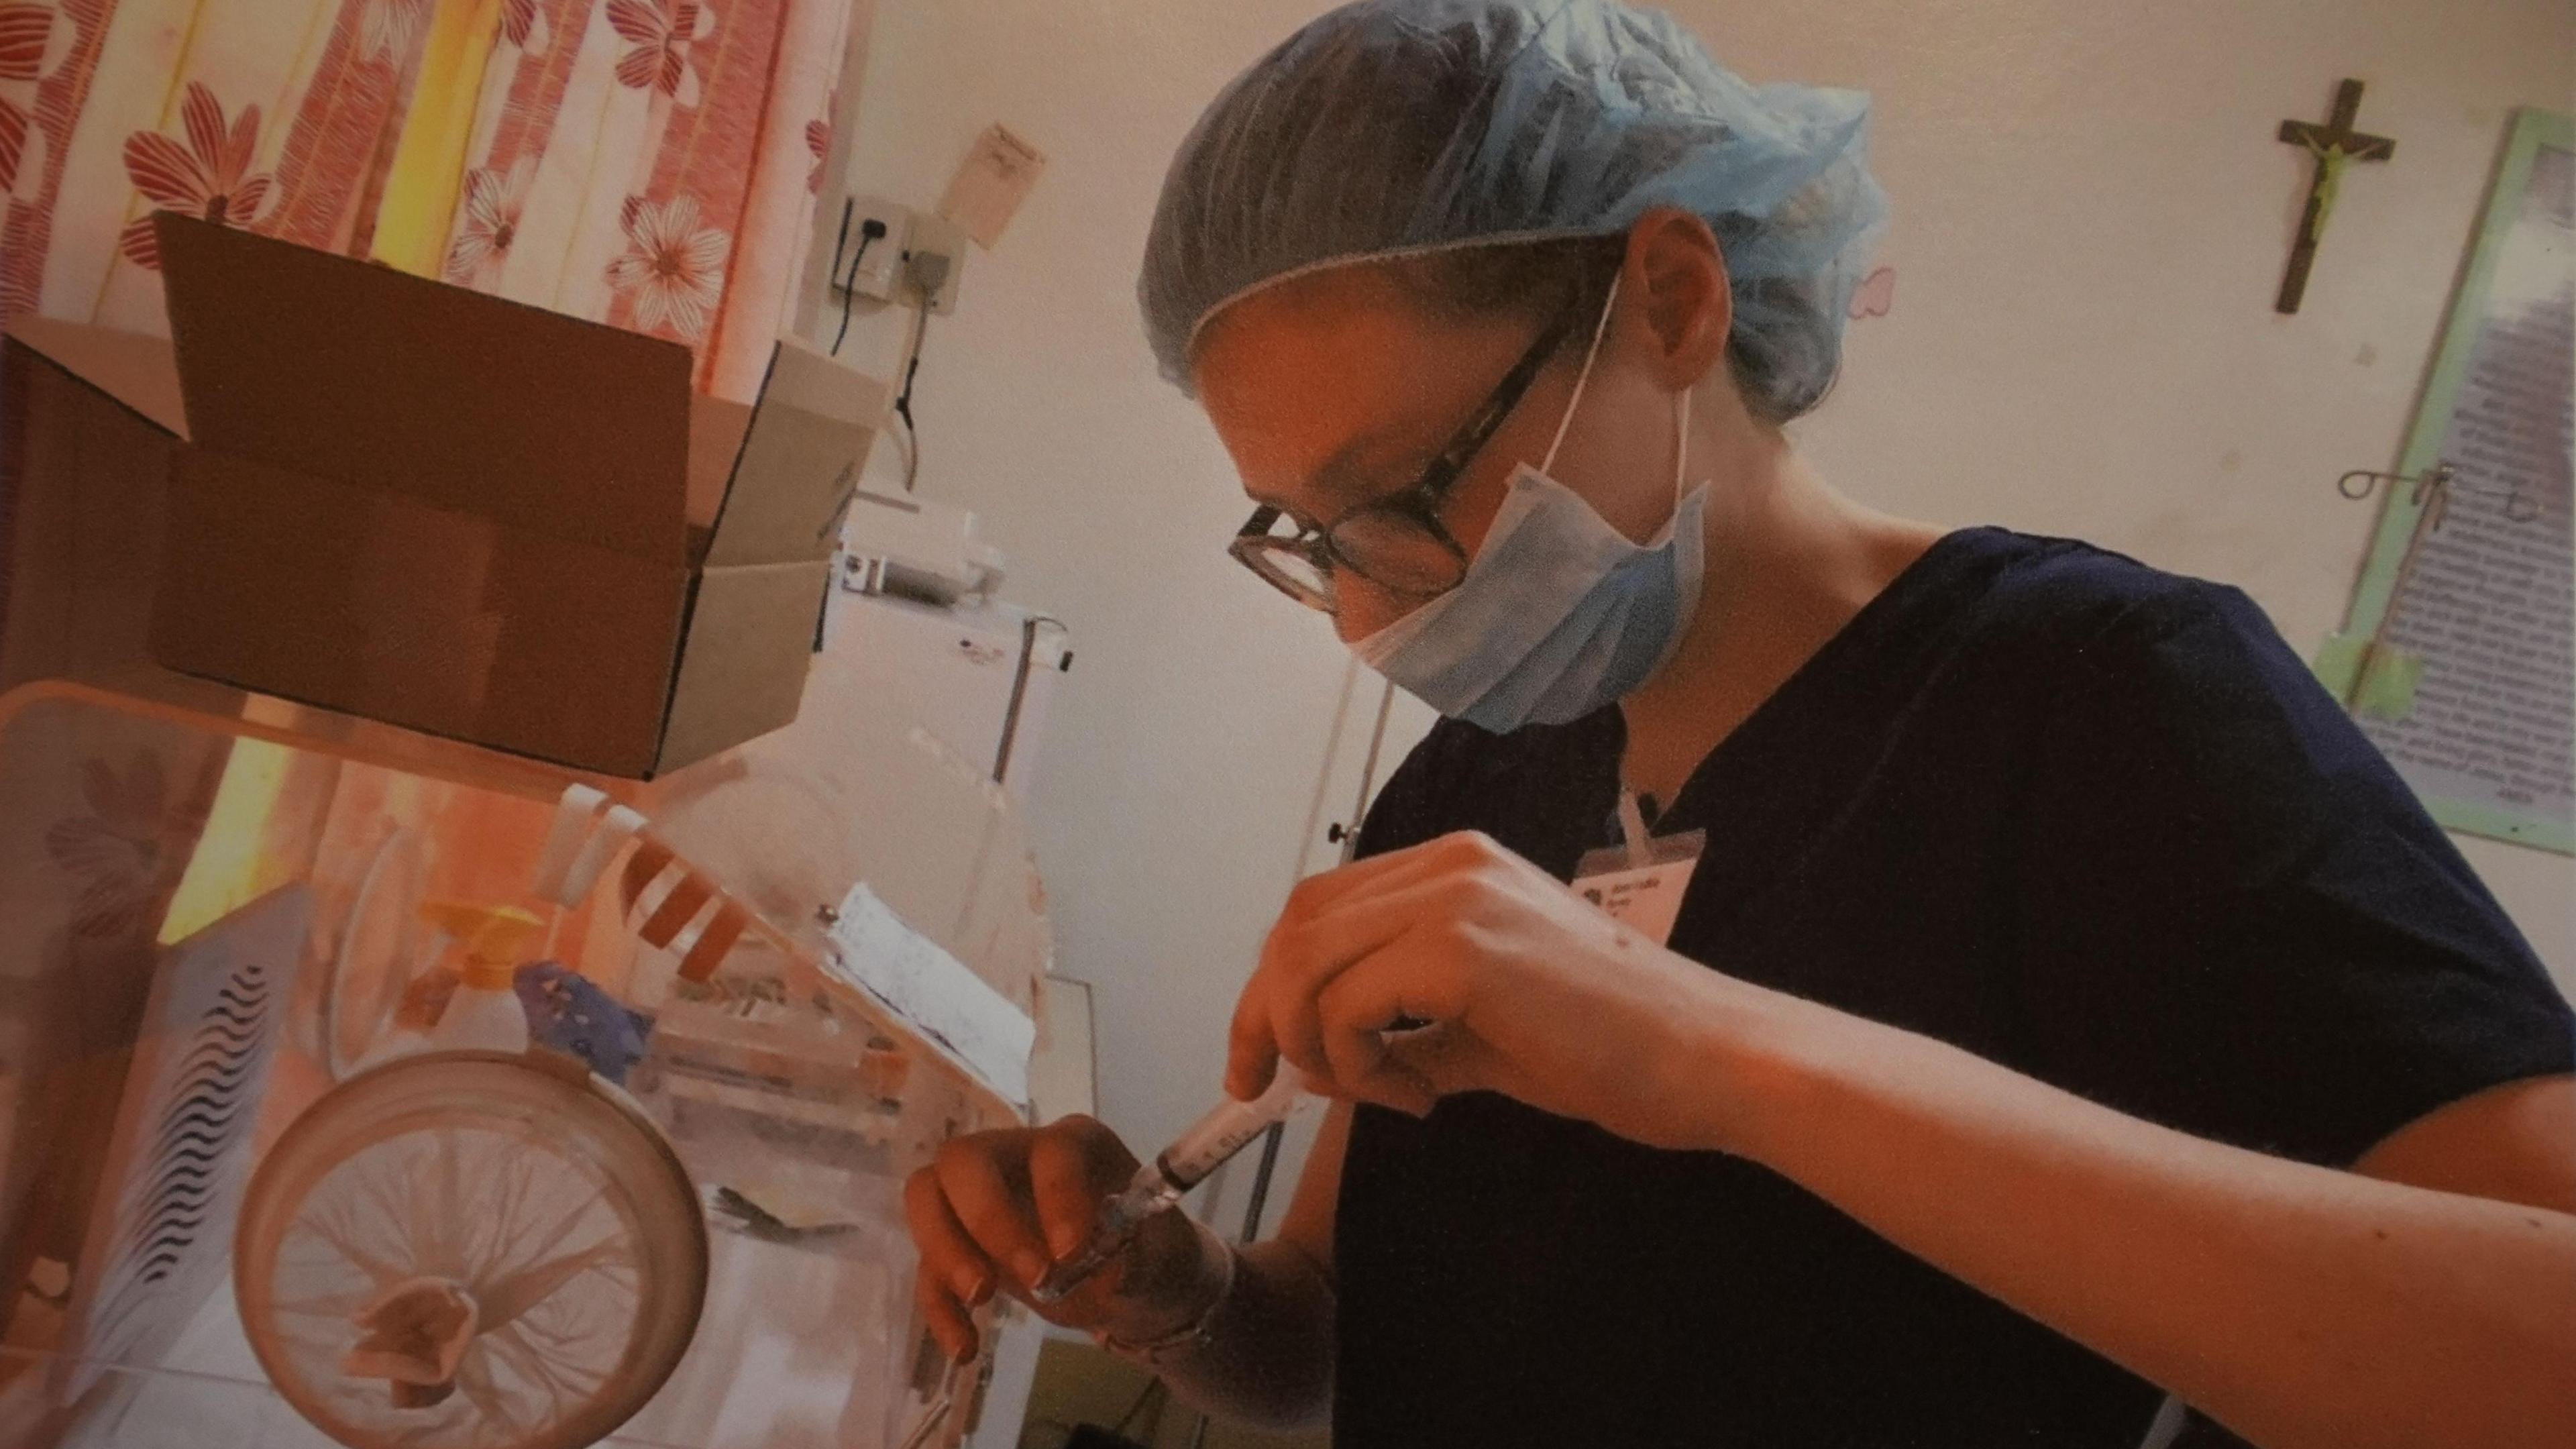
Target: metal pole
{"x":1368,"y":774}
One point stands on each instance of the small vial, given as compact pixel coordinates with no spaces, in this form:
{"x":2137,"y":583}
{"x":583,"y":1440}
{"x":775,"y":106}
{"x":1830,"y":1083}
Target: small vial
{"x":1161,"y":1183}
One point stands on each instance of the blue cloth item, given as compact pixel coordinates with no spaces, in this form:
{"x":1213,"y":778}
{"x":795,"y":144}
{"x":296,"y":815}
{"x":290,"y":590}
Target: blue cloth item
{"x":570,"y":1013}
{"x":1406,"y":126}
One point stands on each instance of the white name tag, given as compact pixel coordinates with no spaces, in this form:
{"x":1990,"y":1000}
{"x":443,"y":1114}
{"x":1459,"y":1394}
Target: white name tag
{"x":1641,"y":888}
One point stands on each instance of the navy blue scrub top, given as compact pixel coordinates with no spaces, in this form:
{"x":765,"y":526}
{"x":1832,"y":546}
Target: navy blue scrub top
{"x":2087,"y":820}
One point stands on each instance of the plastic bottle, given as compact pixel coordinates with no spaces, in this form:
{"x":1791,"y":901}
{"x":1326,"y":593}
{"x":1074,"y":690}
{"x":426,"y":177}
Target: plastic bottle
{"x":484,"y":1014}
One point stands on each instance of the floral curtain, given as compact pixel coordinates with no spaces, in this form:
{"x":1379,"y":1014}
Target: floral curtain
{"x":651,"y":164}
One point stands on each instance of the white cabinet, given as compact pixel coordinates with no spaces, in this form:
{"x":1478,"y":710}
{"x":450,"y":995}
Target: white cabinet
{"x":980,"y":678}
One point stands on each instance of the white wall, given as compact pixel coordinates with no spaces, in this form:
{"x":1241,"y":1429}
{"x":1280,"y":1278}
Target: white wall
{"x":2092,"y":217}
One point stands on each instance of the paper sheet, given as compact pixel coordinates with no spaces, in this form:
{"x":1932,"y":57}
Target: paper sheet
{"x":989,"y":187}
{"x":907,"y":973}
{"x":2480,"y":629}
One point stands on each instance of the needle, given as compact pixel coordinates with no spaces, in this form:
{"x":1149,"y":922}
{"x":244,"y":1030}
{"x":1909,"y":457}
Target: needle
{"x":937,"y":1413}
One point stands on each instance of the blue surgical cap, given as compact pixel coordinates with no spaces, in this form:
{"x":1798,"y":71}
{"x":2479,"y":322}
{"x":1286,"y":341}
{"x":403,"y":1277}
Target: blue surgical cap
{"x":1401,"y":127}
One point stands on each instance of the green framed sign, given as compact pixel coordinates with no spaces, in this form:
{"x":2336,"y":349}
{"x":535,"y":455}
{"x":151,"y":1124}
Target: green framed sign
{"x":2456,"y":653}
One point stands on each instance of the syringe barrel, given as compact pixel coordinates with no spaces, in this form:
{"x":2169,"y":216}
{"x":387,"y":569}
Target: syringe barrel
{"x":1226,"y":1131}
{"x":1158,"y":1185}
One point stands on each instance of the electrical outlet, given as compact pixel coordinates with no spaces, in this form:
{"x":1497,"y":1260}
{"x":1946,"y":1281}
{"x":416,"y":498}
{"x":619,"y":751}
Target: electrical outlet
{"x":873,"y":266}
{"x":933,"y":260}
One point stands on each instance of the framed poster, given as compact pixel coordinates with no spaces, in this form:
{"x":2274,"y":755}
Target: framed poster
{"x":2456,"y":653}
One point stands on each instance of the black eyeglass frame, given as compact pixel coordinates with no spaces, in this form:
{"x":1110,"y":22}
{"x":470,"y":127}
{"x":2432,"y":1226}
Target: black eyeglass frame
{"x":1417,"y":503}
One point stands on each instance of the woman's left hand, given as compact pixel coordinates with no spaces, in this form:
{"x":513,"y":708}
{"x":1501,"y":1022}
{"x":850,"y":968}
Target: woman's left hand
{"x":1527,"y":990}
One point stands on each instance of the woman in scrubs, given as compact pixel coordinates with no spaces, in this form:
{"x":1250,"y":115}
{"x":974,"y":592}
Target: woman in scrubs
{"x":2046,"y":1011}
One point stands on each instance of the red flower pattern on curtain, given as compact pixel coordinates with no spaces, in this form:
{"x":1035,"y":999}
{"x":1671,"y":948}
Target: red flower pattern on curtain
{"x":390,"y":26}
{"x":209,"y":177}
{"x":673,"y":269}
{"x":661,"y":34}
{"x":121,"y":852}
{"x":523,"y":24}
{"x":27,"y":36}
{"x":494,"y":204}
{"x":13,"y":143}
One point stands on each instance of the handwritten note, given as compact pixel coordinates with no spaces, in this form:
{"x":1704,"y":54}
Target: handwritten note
{"x":988,"y":189}
{"x":2487,"y":605}
{"x":905,"y":972}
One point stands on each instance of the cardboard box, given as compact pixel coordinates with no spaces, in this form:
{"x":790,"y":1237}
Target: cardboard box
{"x":430,"y":507}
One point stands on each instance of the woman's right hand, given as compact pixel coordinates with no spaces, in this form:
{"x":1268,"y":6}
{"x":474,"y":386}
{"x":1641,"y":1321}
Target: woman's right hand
{"x":994,"y":1210}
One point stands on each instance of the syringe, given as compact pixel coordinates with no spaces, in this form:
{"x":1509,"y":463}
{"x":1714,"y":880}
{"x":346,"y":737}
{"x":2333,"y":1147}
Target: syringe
{"x":1162,"y":1182}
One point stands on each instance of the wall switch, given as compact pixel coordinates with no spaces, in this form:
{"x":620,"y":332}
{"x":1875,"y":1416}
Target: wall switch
{"x":936,"y":256}
{"x":873,"y":266}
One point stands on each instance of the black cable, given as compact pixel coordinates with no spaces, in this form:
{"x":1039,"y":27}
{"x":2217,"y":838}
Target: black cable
{"x":1136,"y":1408}
{"x":849,"y":299}
{"x":911,"y":456}
{"x":903,"y":402}
{"x":850,"y":292}
{"x":869,"y":232}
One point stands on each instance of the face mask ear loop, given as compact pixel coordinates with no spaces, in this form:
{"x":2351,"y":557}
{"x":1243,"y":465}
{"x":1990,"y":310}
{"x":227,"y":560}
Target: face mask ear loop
{"x":1681,"y":446}
{"x":1600,"y":330}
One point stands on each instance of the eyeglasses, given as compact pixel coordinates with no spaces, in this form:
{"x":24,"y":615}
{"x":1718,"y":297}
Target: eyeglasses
{"x":1396,"y":542}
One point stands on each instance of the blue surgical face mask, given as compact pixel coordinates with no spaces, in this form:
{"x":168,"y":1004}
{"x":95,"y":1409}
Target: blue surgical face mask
{"x":1559,"y":614}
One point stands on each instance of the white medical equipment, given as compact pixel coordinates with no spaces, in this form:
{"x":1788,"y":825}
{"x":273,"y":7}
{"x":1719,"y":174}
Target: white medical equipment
{"x":980,"y":677}
{"x":905,"y":545}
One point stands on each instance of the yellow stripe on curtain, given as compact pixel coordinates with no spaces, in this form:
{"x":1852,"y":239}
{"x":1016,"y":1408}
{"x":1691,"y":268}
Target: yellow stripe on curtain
{"x":225,"y":873}
{"x":428,"y":170}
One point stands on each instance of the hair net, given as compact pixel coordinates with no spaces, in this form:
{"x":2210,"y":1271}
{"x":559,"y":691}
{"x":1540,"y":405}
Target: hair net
{"x":1407,"y":126}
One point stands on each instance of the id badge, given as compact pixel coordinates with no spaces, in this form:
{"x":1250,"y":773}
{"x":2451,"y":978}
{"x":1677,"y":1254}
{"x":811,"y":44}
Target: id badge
{"x":1640,"y":885}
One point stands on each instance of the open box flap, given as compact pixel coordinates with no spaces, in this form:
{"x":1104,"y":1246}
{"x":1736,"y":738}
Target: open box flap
{"x":800,"y":460}
{"x":129,"y":367}
{"x":741,"y":674}
{"x":716,"y":428}
{"x":351,"y":371}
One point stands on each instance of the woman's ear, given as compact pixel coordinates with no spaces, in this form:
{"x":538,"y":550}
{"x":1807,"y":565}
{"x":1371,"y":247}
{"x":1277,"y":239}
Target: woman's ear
{"x":1677,"y":273}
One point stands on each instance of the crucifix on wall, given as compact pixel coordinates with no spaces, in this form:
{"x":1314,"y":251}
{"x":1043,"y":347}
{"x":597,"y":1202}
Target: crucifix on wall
{"x":2334,"y":144}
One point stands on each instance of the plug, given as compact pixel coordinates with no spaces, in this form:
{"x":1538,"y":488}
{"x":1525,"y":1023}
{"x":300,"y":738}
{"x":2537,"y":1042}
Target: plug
{"x":928,"y":272}
{"x":934,"y":259}
{"x":871,"y":231}
{"x":883,"y":233}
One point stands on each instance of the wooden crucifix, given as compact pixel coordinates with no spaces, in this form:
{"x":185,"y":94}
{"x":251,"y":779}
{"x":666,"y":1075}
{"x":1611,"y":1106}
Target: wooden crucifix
{"x":2333,"y":144}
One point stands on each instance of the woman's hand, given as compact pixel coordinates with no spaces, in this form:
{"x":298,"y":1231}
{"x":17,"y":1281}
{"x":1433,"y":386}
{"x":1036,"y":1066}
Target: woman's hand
{"x":995,"y":1210}
{"x":1527,"y":990}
